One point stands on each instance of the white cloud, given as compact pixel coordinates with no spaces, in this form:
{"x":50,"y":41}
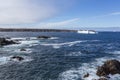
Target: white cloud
{"x":28,"y":11}
{"x":58,"y":25}
{"x":107,"y":15}
{"x":115,"y":13}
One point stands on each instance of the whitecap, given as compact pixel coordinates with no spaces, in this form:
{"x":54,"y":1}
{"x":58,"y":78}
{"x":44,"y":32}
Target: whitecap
{"x":115,"y":52}
{"x":28,"y":50}
{"x":18,"y":38}
{"x":7,"y":59}
{"x":91,"y":68}
{"x":26,"y":59}
{"x":74,"y":53}
{"x":58,"y":45}
{"x":4,"y":60}
{"x":54,"y":38}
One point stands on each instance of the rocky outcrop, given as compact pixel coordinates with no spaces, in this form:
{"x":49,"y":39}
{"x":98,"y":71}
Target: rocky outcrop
{"x":102,"y":79}
{"x":18,"y":58}
{"x":109,"y":67}
{"x":4,"y":41}
{"x":22,"y":49}
{"x":43,"y":37}
{"x":86,"y":75}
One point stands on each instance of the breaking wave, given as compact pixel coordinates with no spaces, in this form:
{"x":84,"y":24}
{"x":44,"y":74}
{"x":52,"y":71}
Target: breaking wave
{"x":58,"y":45}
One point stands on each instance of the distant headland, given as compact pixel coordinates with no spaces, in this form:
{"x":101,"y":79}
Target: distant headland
{"x":34,"y":30}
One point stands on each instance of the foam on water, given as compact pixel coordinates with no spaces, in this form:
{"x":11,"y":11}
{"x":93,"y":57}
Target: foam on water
{"x":7,"y":59}
{"x":74,"y":54}
{"x":58,"y":45}
{"x":54,"y":38}
{"x":4,"y":60}
{"x":27,"y":51}
{"x":115,"y":52}
{"x":26,"y":59}
{"x":91,"y":68}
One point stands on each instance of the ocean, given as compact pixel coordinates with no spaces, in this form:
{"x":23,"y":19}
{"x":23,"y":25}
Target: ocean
{"x":65,"y":56}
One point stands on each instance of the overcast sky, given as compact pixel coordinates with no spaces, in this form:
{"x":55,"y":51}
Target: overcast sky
{"x":60,"y":14}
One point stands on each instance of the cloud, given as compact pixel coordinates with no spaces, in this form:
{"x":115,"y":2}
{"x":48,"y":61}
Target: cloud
{"x":106,"y":15}
{"x":58,"y":25}
{"x":28,"y":11}
{"x":115,"y":13}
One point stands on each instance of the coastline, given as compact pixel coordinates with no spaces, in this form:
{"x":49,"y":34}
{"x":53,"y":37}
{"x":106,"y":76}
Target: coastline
{"x":34,"y":30}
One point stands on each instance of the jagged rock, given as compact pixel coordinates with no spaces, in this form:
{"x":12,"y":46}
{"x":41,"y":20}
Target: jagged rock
{"x":86,"y":75}
{"x":17,"y":58}
{"x":22,"y":49}
{"x":43,"y":37}
{"x":109,"y":67}
{"x":102,"y":79}
{"x":4,"y":41}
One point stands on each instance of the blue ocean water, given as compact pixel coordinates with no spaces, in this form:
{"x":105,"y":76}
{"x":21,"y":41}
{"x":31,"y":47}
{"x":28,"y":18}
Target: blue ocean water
{"x":65,"y":56}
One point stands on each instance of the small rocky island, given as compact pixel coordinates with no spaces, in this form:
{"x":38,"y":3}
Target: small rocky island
{"x":4,"y":41}
{"x":43,"y":37}
{"x":110,"y":67}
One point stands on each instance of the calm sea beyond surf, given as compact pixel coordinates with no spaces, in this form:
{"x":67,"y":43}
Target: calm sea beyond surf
{"x":64,"y":56}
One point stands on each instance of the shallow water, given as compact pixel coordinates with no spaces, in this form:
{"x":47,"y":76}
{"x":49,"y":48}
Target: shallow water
{"x":65,"y":56}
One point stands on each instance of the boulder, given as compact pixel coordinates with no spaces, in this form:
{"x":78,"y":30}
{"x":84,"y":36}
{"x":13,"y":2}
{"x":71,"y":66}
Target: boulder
{"x":22,"y":49}
{"x":102,"y":79}
{"x":109,"y":67}
{"x":43,"y":37}
{"x":4,"y":41}
{"x":86,"y":75}
{"x":17,"y":58}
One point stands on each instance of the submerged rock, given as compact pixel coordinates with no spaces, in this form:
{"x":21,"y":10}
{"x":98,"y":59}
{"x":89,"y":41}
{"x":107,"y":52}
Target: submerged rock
{"x":4,"y":41}
{"x":102,"y":79}
{"x":22,"y":49}
{"x":86,"y":75}
{"x":43,"y":37}
{"x":109,"y":67}
{"x":18,"y":58}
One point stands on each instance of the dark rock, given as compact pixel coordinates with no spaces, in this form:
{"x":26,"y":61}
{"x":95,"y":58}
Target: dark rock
{"x":4,"y":41}
{"x":43,"y":37}
{"x":22,"y":49}
{"x":17,"y":58}
{"x":86,"y":75}
{"x":102,"y":79}
{"x":109,"y":67}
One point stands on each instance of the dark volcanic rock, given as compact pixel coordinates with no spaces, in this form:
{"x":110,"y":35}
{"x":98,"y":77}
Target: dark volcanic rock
{"x":86,"y":75}
{"x":4,"y":41}
{"x":43,"y":37}
{"x":109,"y":67}
{"x":22,"y":49}
{"x":17,"y":58}
{"x":102,"y":79}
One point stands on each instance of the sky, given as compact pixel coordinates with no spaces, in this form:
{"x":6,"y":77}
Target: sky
{"x":60,"y":14}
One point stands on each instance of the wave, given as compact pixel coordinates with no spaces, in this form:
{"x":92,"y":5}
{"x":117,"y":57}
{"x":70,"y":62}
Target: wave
{"x":7,"y":59}
{"x":58,"y":45}
{"x":26,"y":51}
{"x":91,"y":68}
{"x":74,"y":53}
{"x":4,"y":60}
{"x":115,"y":52}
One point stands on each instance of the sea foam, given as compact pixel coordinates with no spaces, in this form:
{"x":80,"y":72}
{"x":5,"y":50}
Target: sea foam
{"x":58,"y":45}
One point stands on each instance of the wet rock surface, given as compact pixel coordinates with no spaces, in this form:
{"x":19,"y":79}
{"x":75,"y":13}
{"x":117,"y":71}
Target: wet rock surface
{"x":86,"y":75}
{"x":43,"y":37}
{"x":109,"y":67}
{"x":4,"y":41}
{"x":18,"y":58}
{"x":22,"y":49}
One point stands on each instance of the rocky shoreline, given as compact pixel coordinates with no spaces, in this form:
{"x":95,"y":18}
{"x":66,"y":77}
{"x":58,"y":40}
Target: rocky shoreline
{"x":34,"y":30}
{"x":110,"y":67}
{"x":9,"y":41}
